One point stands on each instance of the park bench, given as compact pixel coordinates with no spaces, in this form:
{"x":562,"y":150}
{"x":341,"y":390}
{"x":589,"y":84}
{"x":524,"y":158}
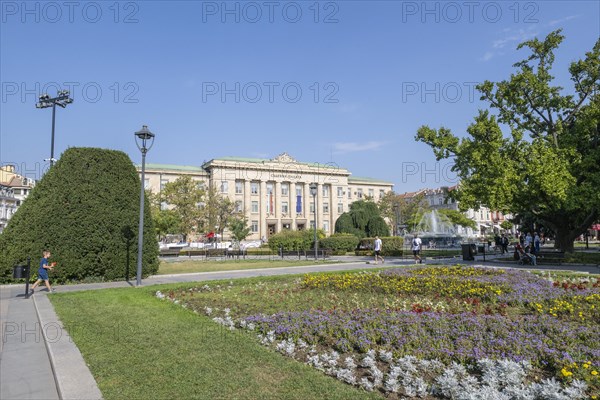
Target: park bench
{"x":169,"y":252}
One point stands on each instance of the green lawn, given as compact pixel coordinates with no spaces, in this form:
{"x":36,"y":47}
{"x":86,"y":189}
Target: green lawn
{"x":182,"y":266}
{"x":139,"y":347}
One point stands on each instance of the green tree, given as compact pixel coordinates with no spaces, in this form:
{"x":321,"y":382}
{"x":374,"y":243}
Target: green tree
{"x":410,"y":210}
{"x":218,"y":210}
{"x":457,"y":218}
{"x":362,"y":220}
{"x":548,"y":164}
{"x":239,"y":228}
{"x":165,"y":221}
{"x":185,"y":196}
{"x":84,"y":210}
{"x":506,"y":225}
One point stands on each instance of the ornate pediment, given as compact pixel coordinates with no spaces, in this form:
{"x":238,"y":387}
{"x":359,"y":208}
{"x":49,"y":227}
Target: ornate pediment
{"x":284,"y":158}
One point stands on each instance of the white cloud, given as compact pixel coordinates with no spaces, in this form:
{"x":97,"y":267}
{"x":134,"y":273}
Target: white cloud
{"x":562,"y":20}
{"x":510,"y":37}
{"x":351,"y":147}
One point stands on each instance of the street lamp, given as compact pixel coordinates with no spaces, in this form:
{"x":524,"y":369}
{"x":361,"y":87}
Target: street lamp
{"x":313,"y":192}
{"x":144,"y":139}
{"x":62,"y":99}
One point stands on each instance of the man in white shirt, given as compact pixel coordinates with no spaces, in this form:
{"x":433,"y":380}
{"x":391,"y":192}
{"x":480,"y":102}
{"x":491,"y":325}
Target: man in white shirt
{"x":416,"y":248}
{"x":377,"y":249}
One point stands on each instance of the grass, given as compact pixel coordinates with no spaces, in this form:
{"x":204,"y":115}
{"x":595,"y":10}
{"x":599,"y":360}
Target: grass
{"x":190,"y":266}
{"x":138,"y":347}
{"x":583,"y":258}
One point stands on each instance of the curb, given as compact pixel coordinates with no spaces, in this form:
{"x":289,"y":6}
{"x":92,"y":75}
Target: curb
{"x":74,"y":381}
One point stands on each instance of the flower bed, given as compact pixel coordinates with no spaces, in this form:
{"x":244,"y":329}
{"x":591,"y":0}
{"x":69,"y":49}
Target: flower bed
{"x":435,"y":332}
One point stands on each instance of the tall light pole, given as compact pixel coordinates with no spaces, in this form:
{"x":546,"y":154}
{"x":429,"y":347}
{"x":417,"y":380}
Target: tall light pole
{"x":144,"y":139}
{"x":313,"y":192}
{"x":62,"y":99}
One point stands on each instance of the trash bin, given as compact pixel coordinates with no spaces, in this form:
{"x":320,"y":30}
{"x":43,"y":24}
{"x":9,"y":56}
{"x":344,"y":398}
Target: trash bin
{"x":21,"y":271}
{"x":468,"y":251}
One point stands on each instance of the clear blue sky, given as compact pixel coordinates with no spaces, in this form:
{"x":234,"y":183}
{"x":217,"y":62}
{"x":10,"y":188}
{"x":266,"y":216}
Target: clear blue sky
{"x":382,"y":68}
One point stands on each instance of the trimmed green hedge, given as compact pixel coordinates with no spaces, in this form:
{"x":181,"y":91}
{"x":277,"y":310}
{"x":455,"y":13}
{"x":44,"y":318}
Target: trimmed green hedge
{"x":291,"y":240}
{"x":81,"y":210}
{"x":391,"y":246}
{"x":339,"y":242}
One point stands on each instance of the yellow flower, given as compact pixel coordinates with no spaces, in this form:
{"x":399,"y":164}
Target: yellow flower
{"x":594,"y":372}
{"x":565,"y":372}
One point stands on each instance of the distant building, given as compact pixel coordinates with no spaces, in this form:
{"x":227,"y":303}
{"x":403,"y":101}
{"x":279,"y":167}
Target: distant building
{"x":488,"y":221}
{"x":14,"y":188}
{"x":274,"y":194}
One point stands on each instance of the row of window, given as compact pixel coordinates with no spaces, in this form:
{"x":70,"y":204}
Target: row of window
{"x":285,"y":189}
{"x":285,"y":208}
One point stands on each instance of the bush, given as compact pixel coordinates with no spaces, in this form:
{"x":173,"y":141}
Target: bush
{"x":339,"y":242}
{"x":391,"y":246}
{"x":291,"y":240}
{"x":82,"y":210}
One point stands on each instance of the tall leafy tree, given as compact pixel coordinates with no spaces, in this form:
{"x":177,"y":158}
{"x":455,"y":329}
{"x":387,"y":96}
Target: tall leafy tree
{"x":165,"y":221}
{"x":548,"y":163}
{"x":218,"y":210}
{"x":410,"y":210}
{"x":185,"y":197}
{"x":363,"y":219}
{"x":239,"y":228}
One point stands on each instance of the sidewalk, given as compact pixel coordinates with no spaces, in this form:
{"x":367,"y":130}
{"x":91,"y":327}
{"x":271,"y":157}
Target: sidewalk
{"x":25,"y":370}
{"x":38,"y":359}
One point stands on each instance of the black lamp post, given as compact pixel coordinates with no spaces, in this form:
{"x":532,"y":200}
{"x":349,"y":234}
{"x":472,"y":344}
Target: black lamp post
{"x":313,"y":192}
{"x":144,"y":139}
{"x":62,"y":99}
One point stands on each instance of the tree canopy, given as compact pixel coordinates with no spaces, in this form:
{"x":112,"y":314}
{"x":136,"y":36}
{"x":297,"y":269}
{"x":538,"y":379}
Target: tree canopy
{"x":363,"y":219}
{"x":85,"y":210}
{"x":548,"y":162}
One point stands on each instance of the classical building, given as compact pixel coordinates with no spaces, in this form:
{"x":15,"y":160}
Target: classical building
{"x":14,"y":188}
{"x":274,"y":194}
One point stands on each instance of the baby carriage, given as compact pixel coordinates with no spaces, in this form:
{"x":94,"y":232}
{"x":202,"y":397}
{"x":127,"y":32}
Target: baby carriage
{"x":524,"y":257}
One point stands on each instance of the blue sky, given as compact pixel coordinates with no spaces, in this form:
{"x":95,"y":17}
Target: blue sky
{"x":343,"y":82}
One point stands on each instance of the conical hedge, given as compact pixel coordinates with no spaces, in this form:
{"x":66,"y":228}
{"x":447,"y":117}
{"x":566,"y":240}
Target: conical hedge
{"x":81,"y":210}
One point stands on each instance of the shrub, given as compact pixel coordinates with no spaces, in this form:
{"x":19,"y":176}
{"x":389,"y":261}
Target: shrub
{"x":391,"y":246}
{"x":82,"y":210}
{"x":291,"y":240}
{"x":339,"y":242}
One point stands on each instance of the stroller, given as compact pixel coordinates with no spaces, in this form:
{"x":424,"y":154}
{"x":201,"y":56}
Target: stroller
{"x":522,"y":257}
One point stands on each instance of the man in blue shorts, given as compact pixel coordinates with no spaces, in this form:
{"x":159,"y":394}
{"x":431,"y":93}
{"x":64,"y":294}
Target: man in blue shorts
{"x":43,"y":272}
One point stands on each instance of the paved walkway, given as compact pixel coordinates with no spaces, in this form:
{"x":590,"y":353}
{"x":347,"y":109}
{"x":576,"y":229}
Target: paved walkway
{"x":38,"y":359}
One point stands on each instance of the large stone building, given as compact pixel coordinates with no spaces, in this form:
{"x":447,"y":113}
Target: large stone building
{"x":274,"y":194}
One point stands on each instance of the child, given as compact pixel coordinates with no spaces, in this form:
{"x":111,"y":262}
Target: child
{"x":43,"y":273}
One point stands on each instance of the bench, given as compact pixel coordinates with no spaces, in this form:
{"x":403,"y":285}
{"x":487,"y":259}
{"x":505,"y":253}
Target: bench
{"x":169,"y":252}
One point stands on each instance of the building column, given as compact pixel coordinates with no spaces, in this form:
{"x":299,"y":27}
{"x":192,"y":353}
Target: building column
{"x":306,"y":199}
{"x":262,"y":208}
{"x":319,"y":205}
{"x":277,"y":205}
{"x":247,"y":206}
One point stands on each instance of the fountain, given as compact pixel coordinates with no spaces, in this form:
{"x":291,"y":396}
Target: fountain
{"x":435,"y":231}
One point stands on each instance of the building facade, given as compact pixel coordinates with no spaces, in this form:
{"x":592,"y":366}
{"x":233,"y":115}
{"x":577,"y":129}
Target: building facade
{"x":274,"y":194}
{"x":14,"y":188}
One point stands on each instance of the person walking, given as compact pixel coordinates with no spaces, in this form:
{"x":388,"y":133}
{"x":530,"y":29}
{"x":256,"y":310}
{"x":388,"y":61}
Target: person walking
{"x":504,"y":243}
{"x":536,"y":243}
{"x":416,"y":248}
{"x":43,"y":272}
{"x":377,"y":248}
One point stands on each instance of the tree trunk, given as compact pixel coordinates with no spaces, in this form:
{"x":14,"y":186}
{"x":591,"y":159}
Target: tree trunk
{"x":565,"y":240}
